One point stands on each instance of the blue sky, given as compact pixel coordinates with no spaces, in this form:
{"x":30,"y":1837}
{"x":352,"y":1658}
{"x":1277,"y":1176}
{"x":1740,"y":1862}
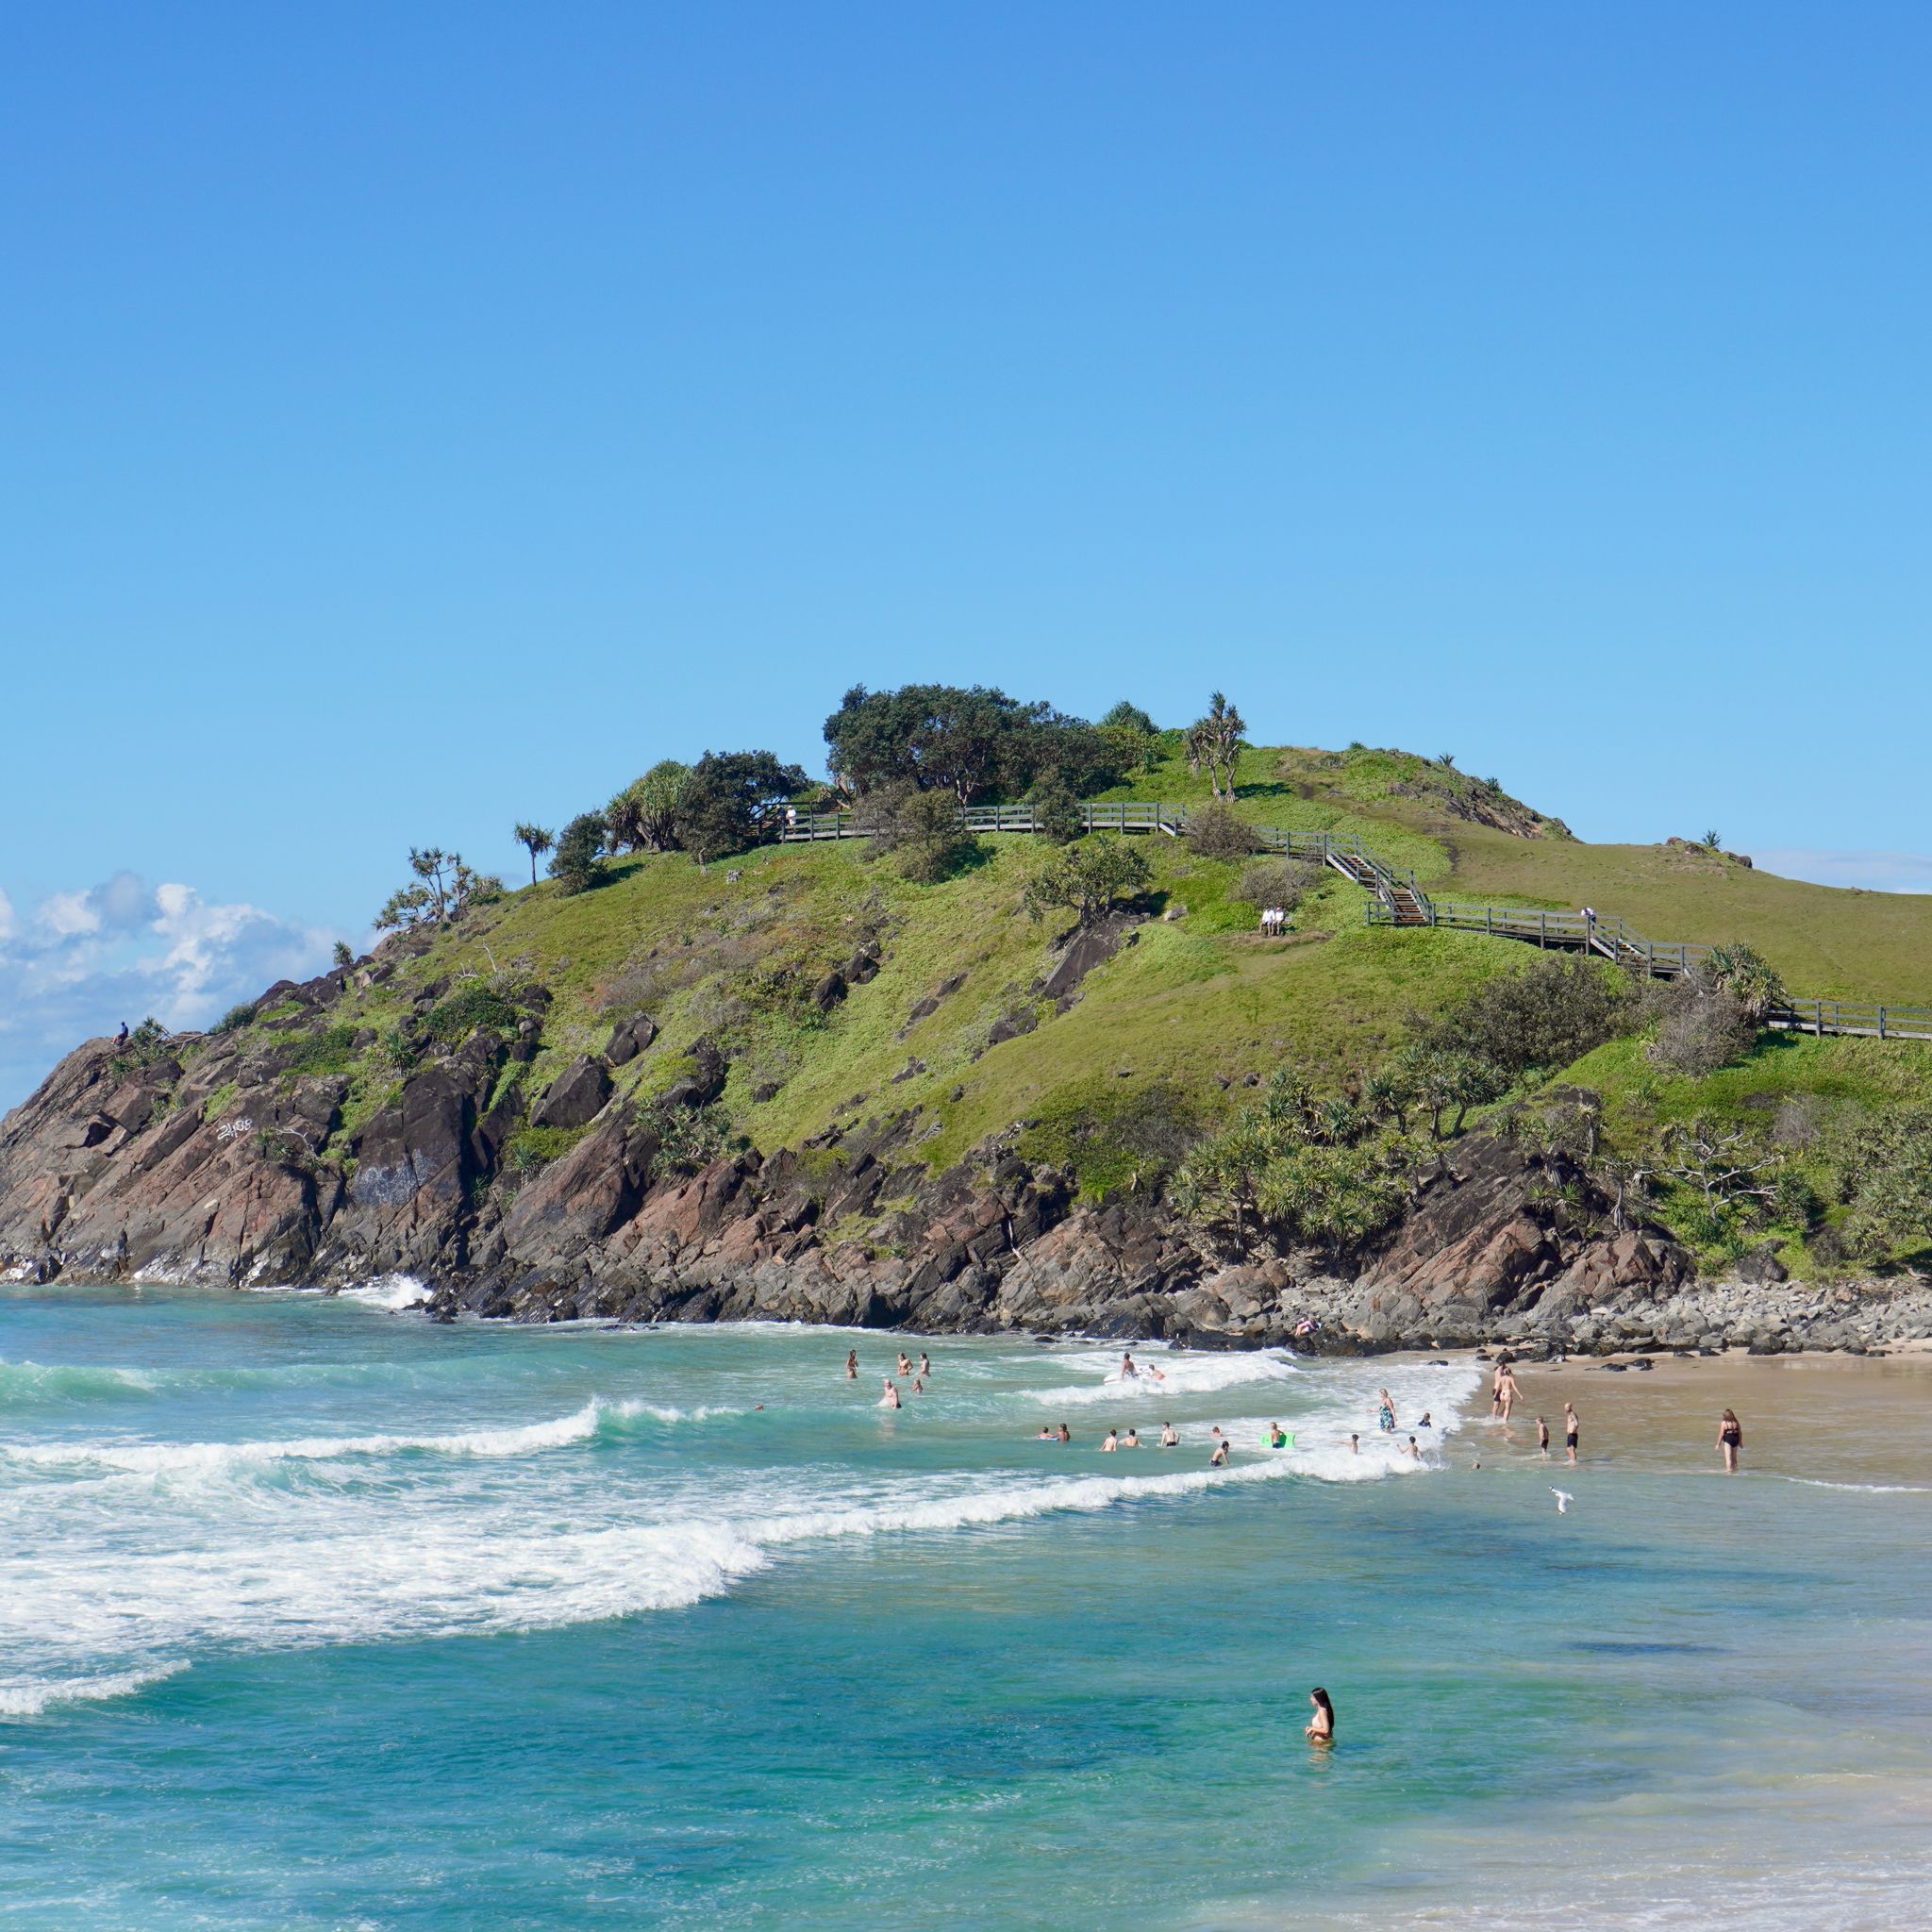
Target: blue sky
{"x":416,"y":418}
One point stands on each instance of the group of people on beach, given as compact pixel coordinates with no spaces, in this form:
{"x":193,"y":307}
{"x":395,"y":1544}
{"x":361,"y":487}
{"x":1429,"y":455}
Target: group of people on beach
{"x":1505,"y":1393}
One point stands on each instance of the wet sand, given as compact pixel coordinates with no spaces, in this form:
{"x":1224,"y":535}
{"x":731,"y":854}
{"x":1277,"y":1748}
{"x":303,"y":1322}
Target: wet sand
{"x":1823,"y":1418}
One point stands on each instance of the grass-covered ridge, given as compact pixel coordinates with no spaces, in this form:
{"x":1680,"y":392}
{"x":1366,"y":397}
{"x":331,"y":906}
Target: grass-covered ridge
{"x":840,"y":990}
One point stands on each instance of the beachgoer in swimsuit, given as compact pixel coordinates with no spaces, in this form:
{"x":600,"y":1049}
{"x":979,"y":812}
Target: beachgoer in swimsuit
{"x":1570,"y":1430}
{"x":890,"y":1398}
{"x":1218,"y":1460}
{"x":1277,"y":1436}
{"x":919,"y":1384}
{"x":1108,"y":1445}
{"x":1355,"y":1445}
{"x":1413,"y":1449}
{"x":1150,"y":1370}
{"x":1730,"y":1439}
{"x":1170,"y":1435}
{"x":1131,"y":1440}
{"x":1385,"y":1416}
{"x":1128,"y":1372}
{"x":1497,"y":1391}
{"x":1321,"y":1727}
{"x":1542,"y":1438}
{"x":852,"y":1365}
{"x":1045,"y":1434}
{"x":925,"y":1363}
{"x":904,"y":1363}
{"x":1512,"y":1395}
{"x":1066,"y":1434}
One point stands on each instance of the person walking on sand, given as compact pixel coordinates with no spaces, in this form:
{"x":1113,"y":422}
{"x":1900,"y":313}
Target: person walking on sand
{"x":1542,"y":1438}
{"x":1569,"y":1430}
{"x":852,"y":1365}
{"x":1319,"y":1728}
{"x":1730,"y":1439}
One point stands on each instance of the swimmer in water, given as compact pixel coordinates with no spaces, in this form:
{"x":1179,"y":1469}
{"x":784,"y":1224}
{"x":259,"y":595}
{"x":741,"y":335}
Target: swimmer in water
{"x":1413,"y":1449}
{"x":919,"y":1384}
{"x":852,"y":1365}
{"x":904,"y":1365}
{"x":1128,"y":1372}
{"x":1066,"y":1434}
{"x":1277,"y":1436}
{"x":1218,"y":1460}
{"x":1355,"y":1445}
{"x":1320,"y":1729}
{"x":1045,"y":1434}
{"x":890,"y":1398}
{"x":1150,"y":1370}
{"x":1730,"y":1439}
{"x":1108,"y":1444}
{"x":1131,"y":1440}
{"x":925,"y":1363}
{"x":1425,"y":1423}
{"x":1170,"y":1435}
{"x":1542,"y":1438}
{"x":1385,"y":1416}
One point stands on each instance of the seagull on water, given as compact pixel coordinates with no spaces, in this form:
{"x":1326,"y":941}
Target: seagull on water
{"x":1564,"y":1499}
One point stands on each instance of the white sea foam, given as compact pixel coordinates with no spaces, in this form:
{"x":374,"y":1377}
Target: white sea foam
{"x":1165,"y":1376}
{"x":30,"y":1696}
{"x":391,"y":1293}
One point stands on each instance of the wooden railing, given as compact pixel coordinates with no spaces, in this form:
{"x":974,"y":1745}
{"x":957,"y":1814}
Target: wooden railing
{"x":1396,"y":899}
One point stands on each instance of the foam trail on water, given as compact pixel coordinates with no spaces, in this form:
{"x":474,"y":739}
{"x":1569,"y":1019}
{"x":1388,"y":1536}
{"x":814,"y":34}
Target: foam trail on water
{"x":1171,"y":1376}
{"x":30,"y":1696}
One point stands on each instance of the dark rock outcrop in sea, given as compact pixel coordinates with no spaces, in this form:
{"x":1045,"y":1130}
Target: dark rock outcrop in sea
{"x":231,"y":1164}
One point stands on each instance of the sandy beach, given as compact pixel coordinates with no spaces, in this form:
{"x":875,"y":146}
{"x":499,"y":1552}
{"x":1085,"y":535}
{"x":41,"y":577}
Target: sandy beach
{"x":1833,"y":1418}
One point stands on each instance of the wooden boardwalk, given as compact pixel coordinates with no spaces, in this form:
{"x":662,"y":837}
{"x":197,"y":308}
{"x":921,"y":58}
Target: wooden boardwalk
{"x":1396,"y":899}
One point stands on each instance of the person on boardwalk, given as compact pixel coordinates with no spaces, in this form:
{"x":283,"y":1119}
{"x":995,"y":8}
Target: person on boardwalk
{"x":1569,"y":1430}
{"x":1730,"y":1439}
{"x":1319,"y":1728}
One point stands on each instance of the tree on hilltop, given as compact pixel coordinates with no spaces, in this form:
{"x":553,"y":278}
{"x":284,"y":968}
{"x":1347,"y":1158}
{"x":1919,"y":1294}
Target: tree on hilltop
{"x":1215,"y":742}
{"x":535,"y":841}
{"x":577,"y":863}
{"x":1089,"y":878}
{"x":445,"y":889}
{"x":719,"y":807}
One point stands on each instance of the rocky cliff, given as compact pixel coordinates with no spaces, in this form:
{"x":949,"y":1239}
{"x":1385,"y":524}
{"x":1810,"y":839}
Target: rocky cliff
{"x":229,"y":1159}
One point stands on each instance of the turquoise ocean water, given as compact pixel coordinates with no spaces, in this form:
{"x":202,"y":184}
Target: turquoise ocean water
{"x":315,"y":1615}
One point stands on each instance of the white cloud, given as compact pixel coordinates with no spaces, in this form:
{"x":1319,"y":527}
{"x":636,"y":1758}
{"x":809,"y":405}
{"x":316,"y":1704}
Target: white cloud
{"x":86,"y":960}
{"x":1876,"y":872}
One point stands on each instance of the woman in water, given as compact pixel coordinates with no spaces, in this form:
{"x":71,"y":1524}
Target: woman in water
{"x":1108,"y":1444}
{"x":1319,"y":1728}
{"x":1386,"y":1415}
{"x":1066,"y":1434}
{"x":1730,"y":1439}
{"x":1131,"y":1440}
{"x":852,"y":1365}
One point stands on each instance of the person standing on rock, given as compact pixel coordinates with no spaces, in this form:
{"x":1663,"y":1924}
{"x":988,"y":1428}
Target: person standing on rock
{"x":1569,"y":1430}
{"x":1730,"y":1439}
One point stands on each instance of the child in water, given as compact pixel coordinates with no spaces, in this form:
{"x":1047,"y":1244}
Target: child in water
{"x":1218,"y":1460}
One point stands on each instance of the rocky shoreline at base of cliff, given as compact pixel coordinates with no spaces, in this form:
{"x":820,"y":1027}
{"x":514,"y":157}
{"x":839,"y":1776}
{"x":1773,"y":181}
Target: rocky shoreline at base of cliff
{"x":234,"y":1170}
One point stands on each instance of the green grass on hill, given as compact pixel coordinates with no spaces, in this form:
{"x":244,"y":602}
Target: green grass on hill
{"x":1166,"y":1037}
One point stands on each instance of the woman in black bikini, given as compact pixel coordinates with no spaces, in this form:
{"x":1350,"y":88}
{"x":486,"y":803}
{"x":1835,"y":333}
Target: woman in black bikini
{"x":1730,"y":1439}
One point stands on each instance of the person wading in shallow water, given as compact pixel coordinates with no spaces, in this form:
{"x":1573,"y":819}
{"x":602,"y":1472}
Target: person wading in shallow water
{"x":1571,"y":1430}
{"x":1319,"y":1728}
{"x":852,"y":1365}
{"x":1730,"y":1439}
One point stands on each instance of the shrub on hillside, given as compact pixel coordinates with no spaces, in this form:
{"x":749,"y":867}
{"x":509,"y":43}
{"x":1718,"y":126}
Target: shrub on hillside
{"x":718,"y":809}
{"x":1216,"y":830}
{"x":1088,"y":879}
{"x":1550,"y":1012}
{"x":1883,"y":1164}
{"x":577,"y":864}
{"x":1275,"y":882}
{"x":1056,"y":810}
{"x":461,"y":1012}
{"x":1700,"y":1028}
{"x":926,"y":831}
